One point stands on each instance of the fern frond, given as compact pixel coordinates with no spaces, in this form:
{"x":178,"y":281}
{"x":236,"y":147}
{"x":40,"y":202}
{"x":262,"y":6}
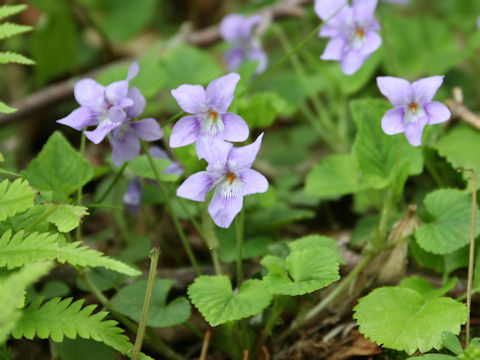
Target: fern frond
{"x":16,"y":251}
{"x":9,"y":29}
{"x":12,"y":294}
{"x":9,"y":10}
{"x":10,"y":57}
{"x":66,"y":217}
{"x":60,"y":317}
{"x":15,"y":197}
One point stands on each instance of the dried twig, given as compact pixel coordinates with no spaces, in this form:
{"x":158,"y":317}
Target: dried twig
{"x":459,"y":110}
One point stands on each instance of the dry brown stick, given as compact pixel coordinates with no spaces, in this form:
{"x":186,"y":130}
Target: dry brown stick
{"x":459,"y":110}
{"x":206,"y":343}
{"x":204,"y":37}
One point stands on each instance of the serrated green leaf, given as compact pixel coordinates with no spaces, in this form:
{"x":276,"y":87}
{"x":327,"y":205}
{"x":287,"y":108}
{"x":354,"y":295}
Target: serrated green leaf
{"x":140,"y":166}
{"x":65,"y":217}
{"x":18,"y":250}
{"x":449,"y":230}
{"x":12,"y":295}
{"x":433,"y":357}
{"x":129,"y":301}
{"x":376,"y":153}
{"x":261,"y":109}
{"x":9,"y":10}
{"x":402,"y":319}
{"x":9,"y":29}
{"x":15,"y":197}
{"x":57,"y":168}
{"x":317,"y":241}
{"x":305,"y":271}
{"x":214,"y":298}
{"x":460,"y":147}
{"x":5,"y":109}
{"x":59,"y":318}
{"x":335,"y":175}
{"x":10,"y":57}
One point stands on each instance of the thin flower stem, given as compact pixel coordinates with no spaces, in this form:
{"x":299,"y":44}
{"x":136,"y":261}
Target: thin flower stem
{"x":171,"y":211}
{"x":206,"y":343}
{"x":300,"y":321}
{"x":293,"y":51}
{"x":146,"y":305}
{"x":211,"y":240}
{"x":104,"y":206}
{"x":78,"y":232}
{"x":471,"y":255}
{"x":117,"y":177}
{"x":239,"y":224}
{"x":152,"y":339}
{"x":390,"y":52}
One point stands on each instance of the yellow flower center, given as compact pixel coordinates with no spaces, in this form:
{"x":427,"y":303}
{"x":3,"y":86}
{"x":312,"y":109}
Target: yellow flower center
{"x":413,"y":106}
{"x":360,"y":32}
{"x":230,"y":177}
{"x":213,"y":114}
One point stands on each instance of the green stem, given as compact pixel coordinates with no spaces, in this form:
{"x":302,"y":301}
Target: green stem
{"x":239,"y":225}
{"x":390,"y":52}
{"x":471,"y":255}
{"x":171,"y":211}
{"x":173,"y":118}
{"x":152,"y":339}
{"x":146,"y":304}
{"x":104,"y":206}
{"x":117,"y":177}
{"x":300,"y":321}
{"x":211,"y":240}
{"x":78,"y":232}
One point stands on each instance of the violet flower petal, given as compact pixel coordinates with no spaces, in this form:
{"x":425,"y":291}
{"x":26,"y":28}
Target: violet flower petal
{"x":79,"y":118}
{"x":243,"y":157}
{"x":196,"y":186}
{"x":371,"y":44}
{"x":139,"y":103}
{"x":116,"y":92}
{"x":223,"y":209}
{"x":424,"y":89}
{"x":219,"y":93}
{"x":392,"y":121}
{"x":398,"y":91}
{"x":132,"y":198}
{"x":90,"y":94}
{"x":147,"y":129}
{"x":437,"y":112}
{"x":364,"y":9}
{"x":334,"y":49}
{"x":351,"y":62}
{"x":185,"y":131}
{"x":234,"y":57}
{"x":326,"y":8}
{"x":115,"y":118}
{"x":414,"y":131}
{"x":191,"y":98}
{"x":133,"y":70}
{"x":125,"y":145}
{"x":253,"y":182}
{"x":236,"y":129}
{"x":215,"y":151}
{"x":259,"y":55}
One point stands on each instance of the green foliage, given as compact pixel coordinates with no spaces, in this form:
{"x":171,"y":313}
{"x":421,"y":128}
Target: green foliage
{"x":55,"y":34}
{"x":261,"y":109}
{"x":5,"y":109}
{"x":65,"y":217}
{"x":317,"y":241}
{"x":19,"y":250}
{"x":452,"y":343}
{"x":12,"y":295}
{"x":376,"y":152}
{"x":59,"y":318}
{"x":449,"y":229}
{"x":472,"y":352}
{"x":9,"y":10}
{"x":425,"y":287}
{"x":402,"y":318}
{"x":335,"y":175}
{"x":56,"y":169}
{"x":8,"y":30}
{"x":460,"y":147}
{"x":129,"y":301}
{"x":214,"y":298}
{"x":81,"y":349}
{"x":140,"y":166}
{"x":10,"y":57}
{"x":432,"y":357}
{"x":302,"y":272}
{"x":15,"y":197}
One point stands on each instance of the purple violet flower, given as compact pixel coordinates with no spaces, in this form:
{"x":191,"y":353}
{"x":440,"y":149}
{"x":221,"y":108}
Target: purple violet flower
{"x":352,"y":32}
{"x":229,"y":172}
{"x":414,"y":107}
{"x":112,"y":108}
{"x":239,"y":30}
{"x":210,"y":121}
{"x":132,"y":198}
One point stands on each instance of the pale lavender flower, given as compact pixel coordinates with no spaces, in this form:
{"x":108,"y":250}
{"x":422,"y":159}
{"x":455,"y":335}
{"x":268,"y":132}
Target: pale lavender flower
{"x":229,"y":172}
{"x":132,"y":199}
{"x":240,"y":31}
{"x":352,"y":32}
{"x":112,"y":108}
{"x":211,"y":121}
{"x":414,"y":107}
